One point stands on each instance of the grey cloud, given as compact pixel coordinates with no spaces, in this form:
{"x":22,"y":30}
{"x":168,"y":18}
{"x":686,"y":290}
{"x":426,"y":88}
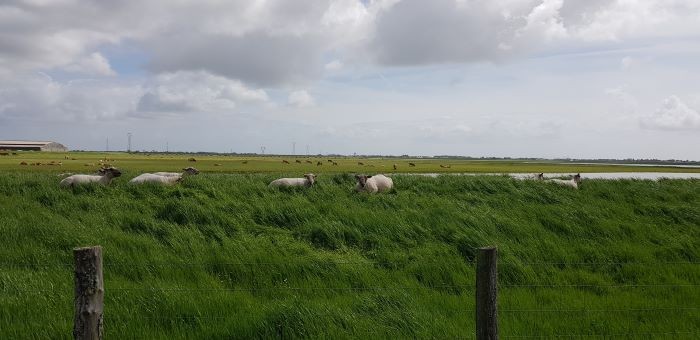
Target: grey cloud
{"x":419,"y":32}
{"x":256,"y":58}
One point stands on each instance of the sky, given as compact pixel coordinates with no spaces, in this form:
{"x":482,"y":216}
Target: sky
{"x":502,"y":78}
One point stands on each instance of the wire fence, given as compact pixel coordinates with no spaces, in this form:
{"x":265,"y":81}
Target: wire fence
{"x":8,"y":288}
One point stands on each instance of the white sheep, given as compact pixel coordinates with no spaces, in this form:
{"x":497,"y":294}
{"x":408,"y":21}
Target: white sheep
{"x":573,"y":182}
{"x":157,"y":179}
{"x":307,"y":181}
{"x":372,"y":184}
{"x":186,"y":171}
{"x":103,"y":177}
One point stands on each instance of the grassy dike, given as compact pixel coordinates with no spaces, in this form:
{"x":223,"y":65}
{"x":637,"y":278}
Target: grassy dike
{"x":224,"y":256}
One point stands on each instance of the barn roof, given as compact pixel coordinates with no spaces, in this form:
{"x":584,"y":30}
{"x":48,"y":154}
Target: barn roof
{"x":23,"y":142}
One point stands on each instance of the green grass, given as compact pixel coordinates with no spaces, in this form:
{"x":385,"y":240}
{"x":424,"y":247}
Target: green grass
{"x":223,"y":256}
{"x":90,"y":161}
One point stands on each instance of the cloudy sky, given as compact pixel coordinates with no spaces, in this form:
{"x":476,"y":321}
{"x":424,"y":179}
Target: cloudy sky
{"x":521,"y":78}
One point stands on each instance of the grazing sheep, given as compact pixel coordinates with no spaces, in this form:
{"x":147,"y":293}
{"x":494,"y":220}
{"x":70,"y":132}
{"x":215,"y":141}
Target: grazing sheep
{"x":153,"y":178}
{"x":186,"y":171}
{"x":104,"y":177}
{"x":22,"y":163}
{"x":245,"y":162}
{"x":310,"y":162}
{"x":285,"y":161}
{"x":334,"y":163}
{"x":372,"y":184}
{"x":411,"y":164}
{"x":298,"y":161}
{"x":573,"y":182}
{"x":360,"y":163}
{"x":308,"y":181}
{"x":192,"y":160}
{"x":330,"y":161}
{"x":319,"y":163}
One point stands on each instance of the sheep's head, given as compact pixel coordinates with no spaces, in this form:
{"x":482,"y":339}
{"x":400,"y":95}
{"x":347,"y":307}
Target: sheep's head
{"x":111,"y":171}
{"x":577,"y":178}
{"x":362,"y":180}
{"x":191,"y":171}
{"x":540,"y":176}
{"x":311,"y":178}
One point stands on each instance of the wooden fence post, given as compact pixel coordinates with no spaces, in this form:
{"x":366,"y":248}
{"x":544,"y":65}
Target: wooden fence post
{"x":89,"y":294}
{"x":486,"y":294}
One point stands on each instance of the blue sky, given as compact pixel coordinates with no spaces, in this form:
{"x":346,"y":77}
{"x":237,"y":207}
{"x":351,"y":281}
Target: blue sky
{"x":530,"y":78}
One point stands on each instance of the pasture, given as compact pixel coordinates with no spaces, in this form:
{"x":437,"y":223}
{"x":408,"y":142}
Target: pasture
{"x":222,"y":255}
{"x":90,"y":161}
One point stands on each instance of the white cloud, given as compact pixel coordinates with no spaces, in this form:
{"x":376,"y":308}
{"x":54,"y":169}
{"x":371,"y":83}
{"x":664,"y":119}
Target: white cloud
{"x":673,"y":114}
{"x":94,"y":64}
{"x":192,"y":92}
{"x":300,"y":98}
{"x":334,"y":65}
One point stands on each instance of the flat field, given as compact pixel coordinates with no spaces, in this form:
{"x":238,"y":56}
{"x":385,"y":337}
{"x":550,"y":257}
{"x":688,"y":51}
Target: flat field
{"x":90,"y":161}
{"x":223,"y":256}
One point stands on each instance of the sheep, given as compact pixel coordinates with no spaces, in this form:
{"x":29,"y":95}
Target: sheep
{"x":360,"y":163}
{"x":157,"y":179}
{"x":65,"y":174}
{"x":192,"y":160}
{"x":539,"y":177}
{"x":372,"y":184}
{"x":319,"y":163}
{"x":23,"y":163}
{"x":104,"y":177}
{"x":217,"y":164}
{"x":245,"y":162}
{"x":308,"y":181}
{"x":186,"y":171}
{"x":285,"y":161}
{"x":298,"y":161}
{"x":335,"y":163}
{"x":411,"y":164}
{"x":310,"y":162}
{"x":573,"y":182}
{"x":330,"y":161}
{"x":395,"y":166}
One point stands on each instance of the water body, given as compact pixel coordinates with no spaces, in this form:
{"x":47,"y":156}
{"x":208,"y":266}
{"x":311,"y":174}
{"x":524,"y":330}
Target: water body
{"x":590,"y":175}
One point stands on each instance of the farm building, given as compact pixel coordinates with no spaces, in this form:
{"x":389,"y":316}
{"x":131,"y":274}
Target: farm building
{"x":32,"y":146}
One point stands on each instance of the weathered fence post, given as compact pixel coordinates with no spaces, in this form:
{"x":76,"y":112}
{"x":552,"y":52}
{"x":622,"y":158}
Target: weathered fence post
{"x":89,"y":293}
{"x":486,"y":294}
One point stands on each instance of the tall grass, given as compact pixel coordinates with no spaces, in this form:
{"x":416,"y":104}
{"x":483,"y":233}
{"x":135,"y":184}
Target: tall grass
{"x":224,"y":256}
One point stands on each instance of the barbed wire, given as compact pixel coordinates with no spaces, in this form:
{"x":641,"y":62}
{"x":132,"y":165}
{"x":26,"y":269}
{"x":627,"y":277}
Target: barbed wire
{"x":597,"y":285}
{"x":327,"y":261}
{"x":178,"y":289}
{"x":603,"y":335}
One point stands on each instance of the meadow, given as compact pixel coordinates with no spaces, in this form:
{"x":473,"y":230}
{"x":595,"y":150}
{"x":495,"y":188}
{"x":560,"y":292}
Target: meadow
{"x":90,"y":161}
{"x":223,"y":256}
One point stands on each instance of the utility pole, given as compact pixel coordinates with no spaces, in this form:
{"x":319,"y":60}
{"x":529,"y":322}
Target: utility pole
{"x":128,"y":135}
{"x":107,"y":144}
{"x":294,"y":148}
{"x":307,"y":150}
{"x":262,"y":149}
{"x":167,"y":147}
